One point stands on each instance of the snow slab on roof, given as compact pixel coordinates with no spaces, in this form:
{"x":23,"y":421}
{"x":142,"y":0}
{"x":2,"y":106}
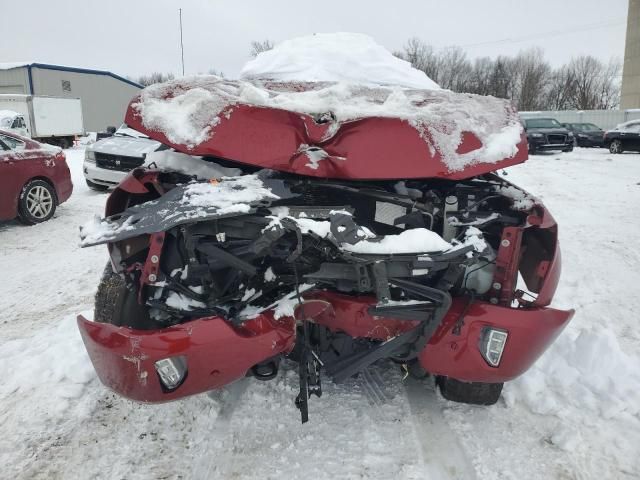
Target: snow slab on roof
{"x":335,"y":57}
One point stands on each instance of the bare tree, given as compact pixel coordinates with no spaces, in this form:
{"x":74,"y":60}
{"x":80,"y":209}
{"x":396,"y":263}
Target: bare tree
{"x":421,"y":57}
{"x":480,"y":79}
{"x":217,"y":73}
{"x":502,"y":79}
{"x":259,"y":47}
{"x":454,"y":69}
{"x":610,"y":84}
{"x":562,"y":89}
{"x":527,"y":79}
{"x":532,"y":78}
{"x":155,"y":77}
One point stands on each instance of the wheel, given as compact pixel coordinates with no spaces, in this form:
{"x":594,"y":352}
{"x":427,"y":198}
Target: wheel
{"x":568,"y":149}
{"x":475,"y":393}
{"x":37,"y":202}
{"x":616,"y":147}
{"x":65,"y":143}
{"x":117,"y":305}
{"x":96,"y":186}
{"x":532,"y":150}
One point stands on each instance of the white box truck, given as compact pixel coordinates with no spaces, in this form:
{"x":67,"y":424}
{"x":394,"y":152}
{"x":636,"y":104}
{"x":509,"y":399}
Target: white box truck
{"x":53,"y":120}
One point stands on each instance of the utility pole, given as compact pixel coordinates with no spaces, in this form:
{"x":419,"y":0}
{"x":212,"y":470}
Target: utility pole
{"x":181,"y":44}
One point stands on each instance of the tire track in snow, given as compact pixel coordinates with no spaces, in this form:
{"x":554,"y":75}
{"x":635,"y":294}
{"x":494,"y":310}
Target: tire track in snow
{"x":441,"y":452}
{"x":208,"y":465}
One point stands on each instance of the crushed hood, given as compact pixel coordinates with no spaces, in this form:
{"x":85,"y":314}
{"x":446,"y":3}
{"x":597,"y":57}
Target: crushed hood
{"x":333,"y":129}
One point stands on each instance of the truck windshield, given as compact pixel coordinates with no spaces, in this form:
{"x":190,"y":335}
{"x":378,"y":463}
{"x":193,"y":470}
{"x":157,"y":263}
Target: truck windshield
{"x":586,"y":127}
{"x":126,"y":131}
{"x":542,"y":123}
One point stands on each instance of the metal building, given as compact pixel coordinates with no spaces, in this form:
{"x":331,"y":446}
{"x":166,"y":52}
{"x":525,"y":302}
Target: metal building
{"x":104,"y":95}
{"x":630,"y":97}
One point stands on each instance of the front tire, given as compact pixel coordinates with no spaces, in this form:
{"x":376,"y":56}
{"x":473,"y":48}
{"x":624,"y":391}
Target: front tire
{"x":474,"y":393}
{"x":37,"y":202}
{"x":117,"y":305}
{"x":616,"y":147}
{"x":568,"y":149}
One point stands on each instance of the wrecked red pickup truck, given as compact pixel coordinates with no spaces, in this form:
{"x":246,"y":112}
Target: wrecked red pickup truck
{"x":375,"y":229}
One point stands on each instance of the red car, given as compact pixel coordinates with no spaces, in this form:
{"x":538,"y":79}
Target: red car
{"x":332,"y":239}
{"x":34,"y":179}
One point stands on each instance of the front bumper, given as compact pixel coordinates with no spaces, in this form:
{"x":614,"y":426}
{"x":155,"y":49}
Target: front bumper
{"x":540,"y":145}
{"x":102,"y":176}
{"x":590,"y":141}
{"x":531,"y":331}
{"x":217,"y":353}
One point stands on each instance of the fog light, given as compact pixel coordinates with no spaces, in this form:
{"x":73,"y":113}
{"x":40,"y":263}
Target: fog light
{"x":172,"y":371}
{"x":492,"y":345}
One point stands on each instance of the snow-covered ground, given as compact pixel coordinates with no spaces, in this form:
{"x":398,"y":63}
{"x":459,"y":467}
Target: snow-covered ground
{"x":574,"y":415}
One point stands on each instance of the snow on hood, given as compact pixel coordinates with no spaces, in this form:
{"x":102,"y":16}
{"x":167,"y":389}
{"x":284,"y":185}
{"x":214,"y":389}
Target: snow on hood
{"x":335,"y":57}
{"x":126,"y":146}
{"x":187,"y":111}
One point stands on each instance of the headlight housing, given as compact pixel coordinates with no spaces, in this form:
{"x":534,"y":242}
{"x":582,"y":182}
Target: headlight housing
{"x":535,"y":135}
{"x":89,"y":156}
{"x":570,"y":134}
{"x":582,"y":135}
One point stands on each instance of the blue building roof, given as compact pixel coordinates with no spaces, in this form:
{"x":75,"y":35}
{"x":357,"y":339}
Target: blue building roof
{"x":47,"y":66}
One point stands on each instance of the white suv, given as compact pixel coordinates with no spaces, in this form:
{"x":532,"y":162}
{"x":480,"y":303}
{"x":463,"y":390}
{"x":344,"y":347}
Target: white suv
{"x":108,"y":161}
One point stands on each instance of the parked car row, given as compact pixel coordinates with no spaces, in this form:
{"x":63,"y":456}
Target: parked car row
{"x":548,"y":134}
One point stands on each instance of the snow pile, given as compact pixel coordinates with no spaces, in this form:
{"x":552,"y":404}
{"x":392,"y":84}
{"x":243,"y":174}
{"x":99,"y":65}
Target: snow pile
{"x":231,"y":195}
{"x":98,"y":229}
{"x":285,"y":306}
{"x":53,"y":360}
{"x":521,"y":199}
{"x":335,"y":57}
{"x":587,"y":372}
{"x":416,"y":240}
{"x":182,"y":302}
{"x":187,"y":110}
{"x":189,"y":165}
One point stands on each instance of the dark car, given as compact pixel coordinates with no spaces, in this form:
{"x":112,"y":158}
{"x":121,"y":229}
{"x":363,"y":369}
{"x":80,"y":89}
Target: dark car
{"x":547,"y":134}
{"x":34,"y":179}
{"x":625,"y":136}
{"x":586,"y":134}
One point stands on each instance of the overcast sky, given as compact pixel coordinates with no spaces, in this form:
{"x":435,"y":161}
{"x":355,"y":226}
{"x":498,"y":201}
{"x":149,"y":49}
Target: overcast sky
{"x":133,"y":37}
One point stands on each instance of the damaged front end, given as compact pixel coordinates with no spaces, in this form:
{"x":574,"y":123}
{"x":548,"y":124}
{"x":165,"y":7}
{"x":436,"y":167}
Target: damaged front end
{"x":217,"y":279}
